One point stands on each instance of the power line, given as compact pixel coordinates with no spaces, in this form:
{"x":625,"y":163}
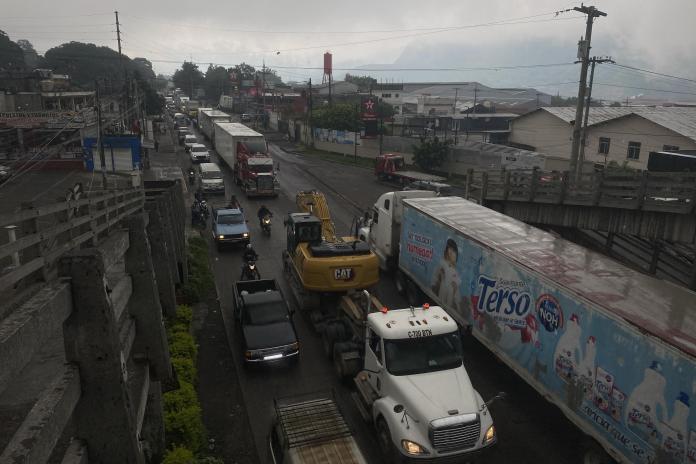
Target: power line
{"x":306,"y":32}
{"x":644,"y":88}
{"x":647,"y":71}
{"x":56,"y":16}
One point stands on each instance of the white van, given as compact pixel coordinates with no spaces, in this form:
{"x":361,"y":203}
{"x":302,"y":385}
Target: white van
{"x":211,"y":178}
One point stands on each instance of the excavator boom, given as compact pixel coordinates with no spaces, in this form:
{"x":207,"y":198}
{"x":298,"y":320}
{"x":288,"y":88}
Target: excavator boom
{"x":314,"y":203}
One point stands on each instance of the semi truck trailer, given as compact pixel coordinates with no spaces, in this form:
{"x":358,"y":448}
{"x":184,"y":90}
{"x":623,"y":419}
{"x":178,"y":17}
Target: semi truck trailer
{"x":613,"y":349}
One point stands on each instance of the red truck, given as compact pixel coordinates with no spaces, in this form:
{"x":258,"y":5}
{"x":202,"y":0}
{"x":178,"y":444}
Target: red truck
{"x":390,"y":167}
{"x":246,"y":153}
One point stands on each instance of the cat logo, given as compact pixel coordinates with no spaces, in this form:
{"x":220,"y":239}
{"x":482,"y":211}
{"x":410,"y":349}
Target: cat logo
{"x":343,"y":273}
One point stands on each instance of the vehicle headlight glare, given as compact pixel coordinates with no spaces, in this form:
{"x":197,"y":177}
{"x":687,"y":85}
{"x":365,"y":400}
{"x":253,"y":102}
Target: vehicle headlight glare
{"x":413,"y":448}
{"x":245,"y":234}
{"x":221,"y":237}
{"x":490,"y":435}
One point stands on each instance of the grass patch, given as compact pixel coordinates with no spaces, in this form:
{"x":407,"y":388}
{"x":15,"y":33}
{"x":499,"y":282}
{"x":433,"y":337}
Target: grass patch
{"x":361,"y":162}
{"x":183,"y":422}
{"x":200,"y":280}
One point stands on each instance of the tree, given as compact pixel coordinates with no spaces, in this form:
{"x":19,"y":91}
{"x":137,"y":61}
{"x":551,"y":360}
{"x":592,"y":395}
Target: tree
{"x":11,"y":55}
{"x":557,"y":100}
{"x":188,"y":77}
{"x":364,"y":83}
{"x":217,"y":82}
{"x":615,"y":104}
{"x":342,"y":116}
{"x":85,"y":62}
{"x":31,"y":58}
{"x":430,"y":153}
{"x":244,"y":71}
{"x":143,"y":67}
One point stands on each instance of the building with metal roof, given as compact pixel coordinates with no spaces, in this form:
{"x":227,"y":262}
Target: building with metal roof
{"x":625,"y":135}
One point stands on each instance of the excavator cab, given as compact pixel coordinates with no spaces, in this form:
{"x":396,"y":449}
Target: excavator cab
{"x":302,"y":228}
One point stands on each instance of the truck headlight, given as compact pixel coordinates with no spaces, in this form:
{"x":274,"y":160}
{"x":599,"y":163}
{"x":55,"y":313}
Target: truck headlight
{"x":413,"y":448}
{"x":490,"y":435}
{"x":245,"y":234}
{"x":221,"y":237}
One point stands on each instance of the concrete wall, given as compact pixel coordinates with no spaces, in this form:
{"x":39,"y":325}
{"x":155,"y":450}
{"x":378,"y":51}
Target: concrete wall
{"x":544,"y":132}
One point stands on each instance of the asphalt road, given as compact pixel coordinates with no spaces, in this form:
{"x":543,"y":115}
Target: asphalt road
{"x":530,"y":429}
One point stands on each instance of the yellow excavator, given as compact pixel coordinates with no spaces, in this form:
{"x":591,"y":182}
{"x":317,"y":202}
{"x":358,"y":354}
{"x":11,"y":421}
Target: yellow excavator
{"x":317,"y":262}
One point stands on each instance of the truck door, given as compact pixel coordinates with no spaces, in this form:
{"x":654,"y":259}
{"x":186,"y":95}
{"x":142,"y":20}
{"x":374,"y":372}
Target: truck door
{"x":380,"y":232}
{"x":374,"y":359}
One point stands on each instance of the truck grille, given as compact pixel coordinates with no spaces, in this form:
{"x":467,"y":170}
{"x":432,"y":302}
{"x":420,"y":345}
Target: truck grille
{"x":457,"y":433}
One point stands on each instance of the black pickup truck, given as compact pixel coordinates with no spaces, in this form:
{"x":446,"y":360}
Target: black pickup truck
{"x":265,"y":321}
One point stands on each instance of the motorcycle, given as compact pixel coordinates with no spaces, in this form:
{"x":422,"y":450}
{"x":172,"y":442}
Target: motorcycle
{"x":191,"y":177}
{"x":250,"y":271}
{"x":266,"y":224}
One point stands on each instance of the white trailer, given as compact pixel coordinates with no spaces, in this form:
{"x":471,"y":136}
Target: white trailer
{"x":613,"y":349}
{"x":229,"y":134}
{"x":206,"y":121}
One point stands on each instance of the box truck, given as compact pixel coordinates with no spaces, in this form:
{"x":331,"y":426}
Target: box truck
{"x":613,"y":349}
{"x":245,"y":151}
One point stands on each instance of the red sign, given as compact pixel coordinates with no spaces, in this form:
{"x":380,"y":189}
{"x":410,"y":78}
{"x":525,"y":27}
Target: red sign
{"x":369,"y":109}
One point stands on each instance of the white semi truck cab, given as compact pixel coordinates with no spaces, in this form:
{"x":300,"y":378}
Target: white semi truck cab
{"x":383,"y":230}
{"x":415,"y":389}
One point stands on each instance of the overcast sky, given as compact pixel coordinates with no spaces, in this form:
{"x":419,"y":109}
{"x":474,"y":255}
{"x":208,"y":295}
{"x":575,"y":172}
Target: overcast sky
{"x":658,"y":35}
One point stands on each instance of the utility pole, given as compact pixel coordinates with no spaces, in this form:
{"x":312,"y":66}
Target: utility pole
{"x":124,"y":100}
{"x":355,"y":138}
{"x":581,"y":158}
{"x":100,"y":137}
{"x":309,"y":112}
{"x":454,"y":115}
{"x":584,"y":47}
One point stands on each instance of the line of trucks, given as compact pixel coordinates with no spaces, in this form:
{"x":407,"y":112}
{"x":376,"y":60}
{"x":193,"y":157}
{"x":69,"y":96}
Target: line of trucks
{"x":613,"y":349}
{"x":244,"y":150}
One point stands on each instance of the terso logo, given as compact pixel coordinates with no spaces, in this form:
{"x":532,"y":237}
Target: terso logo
{"x":549,"y":312}
{"x":506,"y":301}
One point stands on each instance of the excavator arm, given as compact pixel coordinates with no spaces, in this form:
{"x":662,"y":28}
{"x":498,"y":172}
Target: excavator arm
{"x":314,"y":203}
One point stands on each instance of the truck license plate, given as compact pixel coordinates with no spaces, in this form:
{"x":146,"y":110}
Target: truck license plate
{"x":344,"y":273}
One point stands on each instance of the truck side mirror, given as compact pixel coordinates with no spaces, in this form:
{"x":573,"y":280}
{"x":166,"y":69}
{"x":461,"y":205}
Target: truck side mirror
{"x":399,"y":408}
{"x":499,"y":396}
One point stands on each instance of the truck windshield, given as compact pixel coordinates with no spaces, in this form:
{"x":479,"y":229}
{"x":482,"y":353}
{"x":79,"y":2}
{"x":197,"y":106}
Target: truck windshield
{"x":230,"y":219}
{"x":265,"y":314}
{"x":211,"y":174}
{"x":425,"y":354}
{"x":261,"y":168}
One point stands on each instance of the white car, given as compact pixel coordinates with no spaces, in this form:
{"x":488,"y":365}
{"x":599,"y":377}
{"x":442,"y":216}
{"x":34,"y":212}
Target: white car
{"x":199,"y":153}
{"x":189,"y":140}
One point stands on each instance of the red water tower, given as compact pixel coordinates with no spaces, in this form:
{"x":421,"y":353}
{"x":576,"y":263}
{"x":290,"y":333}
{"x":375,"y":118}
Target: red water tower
{"x":327,"y":68}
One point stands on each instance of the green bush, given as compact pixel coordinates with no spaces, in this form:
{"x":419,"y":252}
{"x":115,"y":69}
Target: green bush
{"x":201,"y":280}
{"x":179,"y":455}
{"x":185,"y":427}
{"x":182,"y":345}
{"x":185,"y":370}
{"x":182,"y":398}
{"x":184,"y":314}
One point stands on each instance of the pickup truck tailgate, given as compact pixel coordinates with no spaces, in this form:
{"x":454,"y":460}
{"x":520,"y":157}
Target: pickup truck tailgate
{"x":337,"y":451}
{"x":317,"y":433}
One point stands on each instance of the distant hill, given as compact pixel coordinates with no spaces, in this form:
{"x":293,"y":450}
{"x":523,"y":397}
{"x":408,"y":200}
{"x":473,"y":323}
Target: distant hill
{"x":552,"y":80}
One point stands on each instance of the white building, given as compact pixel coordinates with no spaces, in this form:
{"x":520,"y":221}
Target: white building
{"x":623,"y":135}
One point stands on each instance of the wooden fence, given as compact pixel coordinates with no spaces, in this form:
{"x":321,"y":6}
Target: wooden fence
{"x":647,"y":191}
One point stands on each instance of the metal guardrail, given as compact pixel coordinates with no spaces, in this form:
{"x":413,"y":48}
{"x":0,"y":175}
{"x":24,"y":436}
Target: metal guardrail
{"x":667,"y":192}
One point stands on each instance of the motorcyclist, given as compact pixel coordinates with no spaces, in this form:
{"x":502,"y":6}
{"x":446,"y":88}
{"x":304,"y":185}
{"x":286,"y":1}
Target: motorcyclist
{"x":262,"y":213}
{"x":248,"y":273}
{"x":250,"y":254}
{"x":199,"y":195}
